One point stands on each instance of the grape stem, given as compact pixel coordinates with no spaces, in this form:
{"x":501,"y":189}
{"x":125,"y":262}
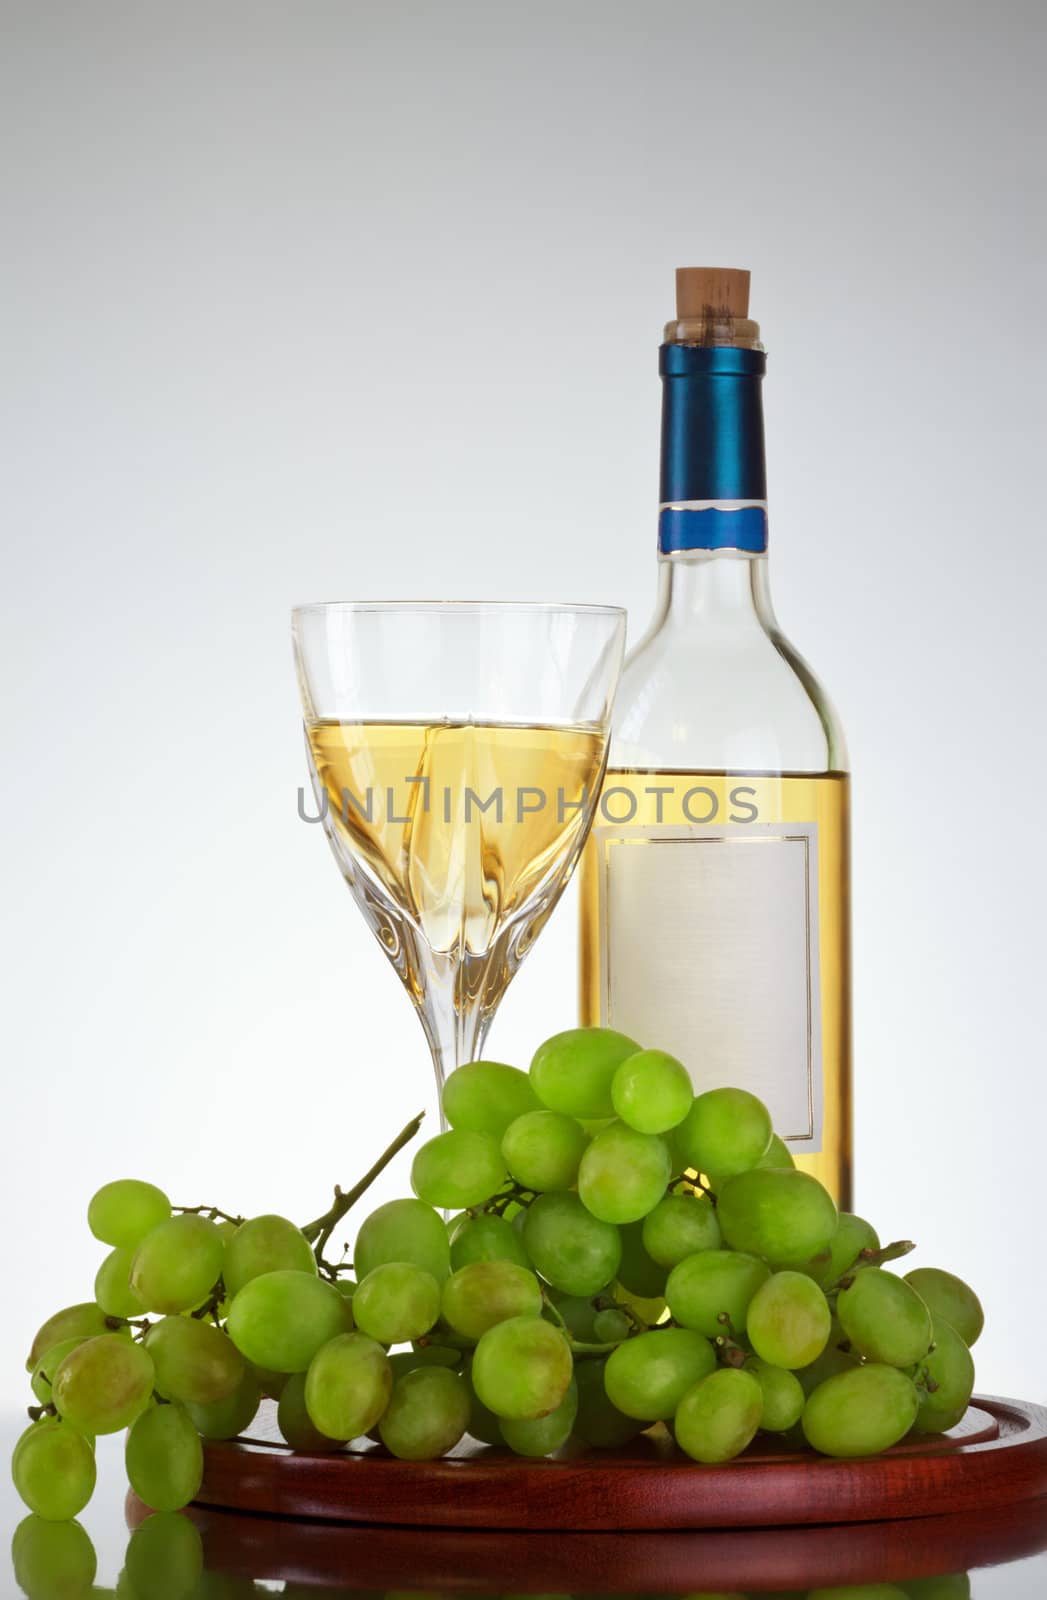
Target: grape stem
{"x":688,"y":1184}
{"x":498,"y":1203}
{"x":454,"y":1341}
{"x":890,"y":1252}
{"x":608,"y":1303}
{"x":554,"y":1315}
{"x":731,"y":1353}
{"x":210,"y":1309}
{"x":319,"y":1231}
{"x":212,"y":1213}
{"x":872,"y":1258}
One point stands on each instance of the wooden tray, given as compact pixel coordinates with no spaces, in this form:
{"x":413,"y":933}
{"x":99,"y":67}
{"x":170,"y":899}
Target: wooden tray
{"x":461,"y":1562}
{"x":995,"y":1457}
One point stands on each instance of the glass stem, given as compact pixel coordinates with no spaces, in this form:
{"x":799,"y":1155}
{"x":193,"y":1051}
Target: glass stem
{"x":454,"y":1019}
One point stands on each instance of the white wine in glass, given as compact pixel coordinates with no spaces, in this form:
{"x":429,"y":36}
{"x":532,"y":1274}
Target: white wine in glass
{"x":457,"y":753}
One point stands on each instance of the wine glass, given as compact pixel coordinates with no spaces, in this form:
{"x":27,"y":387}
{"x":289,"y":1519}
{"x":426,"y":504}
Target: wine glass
{"x":456,"y":753}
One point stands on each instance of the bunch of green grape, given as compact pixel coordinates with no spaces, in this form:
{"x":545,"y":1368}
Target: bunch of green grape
{"x":623,"y":1255}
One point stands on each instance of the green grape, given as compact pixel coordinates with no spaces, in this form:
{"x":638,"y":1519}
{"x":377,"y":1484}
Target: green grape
{"x":638,"y":1271}
{"x":736,"y":1594}
{"x":859,"y":1591}
{"x":678,"y":1163}
{"x":599,"y":1421}
{"x":860,"y":1412}
{"x":522,"y":1368}
{"x":348,"y":1385}
{"x":884,"y":1318}
{"x":122,"y":1213}
{"x":784,"y":1216}
{"x":228,"y":1418}
{"x":788,"y":1321}
{"x":623,"y":1174}
{"x":950,"y":1366}
{"x":573,"y":1071}
{"x":679,"y":1226}
{"x":485,"y":1097}
{"x":647,"y":1377}
{"x":540,"y":1436}
{"x":950,"y":1586}
{"x":594,"y":1125}
{"x":611,"y":1325}
{"x":486,"y":1238}
{"x":853,"y":1235}
{"x":718,"y":1417}
{"x":578,"y":1313}
{"x":726,"y":1131}
{"x":53,"y":1560}
{"x":265,"y":1244}
{"x":542,"y":1149}
{"x":165,"y":1459}
{"x":177,"y":1265}
{"x":75,"y":1322}
{"x":403,"y":1230}
{"x":777,"y":1154}
{"x":951,"y":1299}
{"x":478,"y":1296}
{"x":783,"y":1396}
{"x":295,"y":1423}
{"x":570,"y":1248}
{"x":103,"y":1384}
{"x":713,"y":1285}
{"x":458,"y":1169}
{"x":396,"y":1302}
{"x":427,"y":1414}
{"x":48,"y":1365}
{"x":832,"y":1361}
{"x":194,"y":1361}
{"x":651,"y":1091}
{"x":282,"y":1319}
{"x":483,"y":1424}
{"x":164,"y":1559}
{"x":112,"y":1285}
{"x":53,"y":1468}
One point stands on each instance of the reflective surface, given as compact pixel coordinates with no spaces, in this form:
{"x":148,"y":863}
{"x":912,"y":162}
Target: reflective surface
{"x":210,"y":1555}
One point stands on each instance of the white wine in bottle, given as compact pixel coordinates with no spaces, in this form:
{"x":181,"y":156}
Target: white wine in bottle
{"x":715,"y":884}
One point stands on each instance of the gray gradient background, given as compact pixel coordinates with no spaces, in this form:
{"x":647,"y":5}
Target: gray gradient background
{"x":311,"y":300}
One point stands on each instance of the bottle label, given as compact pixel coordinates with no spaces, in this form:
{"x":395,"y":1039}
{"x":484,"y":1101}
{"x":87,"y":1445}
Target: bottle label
{"x":709,"y":948}
{"x":713,"y":525}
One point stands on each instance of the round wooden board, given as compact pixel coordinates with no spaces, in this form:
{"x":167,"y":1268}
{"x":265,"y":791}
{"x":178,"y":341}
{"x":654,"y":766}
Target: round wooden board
{"x":350,"y":1558}
{"x":995,"y":1457}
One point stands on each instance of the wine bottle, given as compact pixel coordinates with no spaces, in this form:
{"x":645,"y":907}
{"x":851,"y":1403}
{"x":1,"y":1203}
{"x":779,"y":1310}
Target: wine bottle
{"x":715,"y":884}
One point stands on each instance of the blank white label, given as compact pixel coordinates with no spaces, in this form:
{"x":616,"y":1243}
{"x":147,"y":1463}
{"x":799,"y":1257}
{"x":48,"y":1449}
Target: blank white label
{"x":709,"y":949}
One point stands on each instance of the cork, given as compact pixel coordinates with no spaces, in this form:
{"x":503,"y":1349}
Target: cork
{"x":711,"y":292}
{"x":712,"y":308}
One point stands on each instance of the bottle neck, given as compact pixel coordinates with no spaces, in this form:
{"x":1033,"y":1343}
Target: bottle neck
{"x":724,"y":589}
{"x":713,"y":474}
